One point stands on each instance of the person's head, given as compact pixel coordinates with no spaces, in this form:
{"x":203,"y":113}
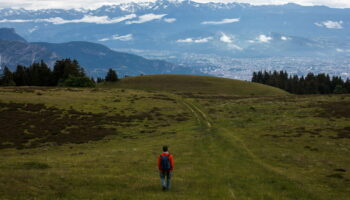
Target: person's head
{"x":165,"y":148}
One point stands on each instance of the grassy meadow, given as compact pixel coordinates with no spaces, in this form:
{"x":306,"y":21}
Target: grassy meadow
{"x":234,"y":142}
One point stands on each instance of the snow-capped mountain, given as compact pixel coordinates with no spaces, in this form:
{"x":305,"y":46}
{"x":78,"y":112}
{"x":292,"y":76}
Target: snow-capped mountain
{"x":170,"y":29}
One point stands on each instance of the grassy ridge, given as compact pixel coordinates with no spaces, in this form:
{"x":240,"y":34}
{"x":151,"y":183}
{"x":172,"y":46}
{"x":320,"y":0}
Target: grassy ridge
{"x":191,"y":83}
{"x":225,"y":147}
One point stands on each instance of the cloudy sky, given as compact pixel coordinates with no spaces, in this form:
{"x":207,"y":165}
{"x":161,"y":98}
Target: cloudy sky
{"x":91,"y":4}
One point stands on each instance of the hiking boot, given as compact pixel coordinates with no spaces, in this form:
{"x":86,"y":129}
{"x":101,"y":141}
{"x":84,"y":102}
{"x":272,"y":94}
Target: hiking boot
{"x":164,"y":188}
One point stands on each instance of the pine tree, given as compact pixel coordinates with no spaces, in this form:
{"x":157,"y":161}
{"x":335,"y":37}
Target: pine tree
{"x":20,"y":76}
{"x":339,"y":89}
{"x":347,"y":85}
{"x":65,"y":68}
{"x":311,"y":84}
{"x":7,"y":78}
{"x":111,"y":76}
{"x":255,"y":77}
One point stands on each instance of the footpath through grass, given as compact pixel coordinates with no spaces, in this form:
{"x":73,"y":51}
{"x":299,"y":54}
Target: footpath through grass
{"x":225,"y":147}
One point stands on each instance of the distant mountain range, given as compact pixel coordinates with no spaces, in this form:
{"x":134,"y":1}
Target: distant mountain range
{"x":231,"y":29}
{"x":205,"y":36}
{"x":95,"y":58}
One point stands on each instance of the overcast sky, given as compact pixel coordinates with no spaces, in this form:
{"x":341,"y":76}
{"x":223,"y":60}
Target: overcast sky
{"x":91,"y":4}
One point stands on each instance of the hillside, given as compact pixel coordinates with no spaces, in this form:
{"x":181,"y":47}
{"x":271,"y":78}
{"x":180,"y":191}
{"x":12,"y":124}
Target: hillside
{"x":97,"y":58}
{"x":100,"y":143}
{"x":195,"y":84}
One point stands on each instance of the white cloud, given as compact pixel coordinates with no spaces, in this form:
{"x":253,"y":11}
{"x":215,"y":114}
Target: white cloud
{"x":127,"y":37}
{"x":233,"y":46}
{"x":31,"y":30}
{"x":191,"y":40}
{"x":285,"y":38}
{"x":224,"y":21}
{"x":343,"y":50}
{"x":85,"y":19}
{"x":15,"y":20}
{"x":169,"y":20}
{"x":330,"y":24}
{"x":225,"y":38}
{"x":187,"y":40}
{"x":264,"y":38}
{"x":146,"y":18}
{"x":203,"y":40}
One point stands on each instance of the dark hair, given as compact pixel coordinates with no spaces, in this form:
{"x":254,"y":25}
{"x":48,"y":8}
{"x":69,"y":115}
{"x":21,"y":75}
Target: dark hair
{"x":165,"y":148}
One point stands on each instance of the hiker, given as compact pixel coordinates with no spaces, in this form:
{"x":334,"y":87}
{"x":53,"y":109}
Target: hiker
{"x":165,"y":166}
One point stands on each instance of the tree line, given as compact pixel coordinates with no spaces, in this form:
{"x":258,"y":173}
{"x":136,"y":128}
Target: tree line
{"x":65,"y":72}
{"x":310,"y":84}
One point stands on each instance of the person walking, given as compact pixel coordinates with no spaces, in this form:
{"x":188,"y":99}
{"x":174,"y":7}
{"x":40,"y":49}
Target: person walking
{"x":166,"y":167}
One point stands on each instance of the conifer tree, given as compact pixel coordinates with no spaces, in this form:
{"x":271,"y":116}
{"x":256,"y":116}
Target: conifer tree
{"x":7,"y":78}
{"x":311,"y":84}
{"x":20,"y":76}
{"x":111,"y":76}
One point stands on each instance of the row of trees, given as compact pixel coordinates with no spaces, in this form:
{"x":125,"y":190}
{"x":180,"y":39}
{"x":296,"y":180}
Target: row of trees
{"x":65,"y":72}
{"x":310,"y":84}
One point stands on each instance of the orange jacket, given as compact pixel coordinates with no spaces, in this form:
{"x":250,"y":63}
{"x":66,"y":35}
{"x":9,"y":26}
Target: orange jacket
{"x":170,"y":159}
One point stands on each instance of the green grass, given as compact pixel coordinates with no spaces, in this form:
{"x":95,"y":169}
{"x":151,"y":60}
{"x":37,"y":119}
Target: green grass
{"x":194,"y":84}
{"x":225,"y":146}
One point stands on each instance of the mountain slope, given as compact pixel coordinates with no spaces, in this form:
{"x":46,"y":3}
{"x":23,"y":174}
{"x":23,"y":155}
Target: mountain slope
{"x":95,"y":58}
{"x":10,"y":35}
{"x":93,"y":55}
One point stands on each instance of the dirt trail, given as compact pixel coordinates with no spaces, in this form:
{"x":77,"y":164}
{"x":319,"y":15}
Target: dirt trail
{"x":204,"y":120}
{"x":201,"y":117}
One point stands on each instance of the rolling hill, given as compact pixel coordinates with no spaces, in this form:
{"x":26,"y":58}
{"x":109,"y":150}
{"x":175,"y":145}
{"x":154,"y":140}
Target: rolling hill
{"x":195,"y":84}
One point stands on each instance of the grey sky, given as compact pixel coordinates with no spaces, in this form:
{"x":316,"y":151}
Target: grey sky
{"x":91,"y":4}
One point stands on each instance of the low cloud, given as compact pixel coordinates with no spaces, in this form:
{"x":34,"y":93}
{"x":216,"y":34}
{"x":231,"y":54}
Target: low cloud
{"x":16,"y":20}
{"x":146,"y":18}
{"x":85,"y":19}
{"x":224,"y":21}
{"x":264,"y":38}
{"x":285,"y":38}
{"x":233,"y":46}
{"x":169,"y":20}
{"x":31,"y":30}
{"x":191,"y":40}
{"x":227,"y":39}
{"x":127,"y":37}
{"x":343,"y":50}
{"x":187,"y":40}
{"x":330,"y":24}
